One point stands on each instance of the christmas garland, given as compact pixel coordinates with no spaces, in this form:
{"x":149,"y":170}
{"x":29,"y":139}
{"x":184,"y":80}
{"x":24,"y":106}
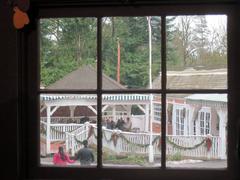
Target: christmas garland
{"x":139,"y":145}
{"x":207,"y":141}
{"x":78,"y":141}
{"x":115,"y":136}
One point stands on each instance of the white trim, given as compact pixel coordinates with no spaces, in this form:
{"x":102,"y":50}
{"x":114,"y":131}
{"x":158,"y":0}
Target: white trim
{"x":104,"y":108}
{"x":53,"y":110}
{"x":141,"y":108}
{"x":93,"y":110}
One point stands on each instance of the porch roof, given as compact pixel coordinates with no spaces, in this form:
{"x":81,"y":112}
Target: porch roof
{"x":92,"y":99}
{"x":208,"y":97}
{"x":212,"y":100}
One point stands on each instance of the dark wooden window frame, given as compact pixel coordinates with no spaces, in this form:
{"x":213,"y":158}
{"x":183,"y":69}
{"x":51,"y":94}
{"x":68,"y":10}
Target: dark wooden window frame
{"x":28,"y":53}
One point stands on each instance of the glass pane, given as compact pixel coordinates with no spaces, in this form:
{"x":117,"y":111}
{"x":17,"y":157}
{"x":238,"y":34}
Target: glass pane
{"x":67,"y":122}
{"x":130,"y":52}
{"x":68,"y":53}
{"x":201,"y":140}
{"x":197,"y":52}
{"x":130,"y":123}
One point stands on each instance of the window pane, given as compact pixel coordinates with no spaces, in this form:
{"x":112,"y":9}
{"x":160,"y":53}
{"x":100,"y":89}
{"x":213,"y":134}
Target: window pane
{"x":67,"y":120}
{"x":200,"y":139}
{"x":196,"y":52}
{"x":131,"y":51}
{"x":128,"y":120}
{"x":68,"y":53}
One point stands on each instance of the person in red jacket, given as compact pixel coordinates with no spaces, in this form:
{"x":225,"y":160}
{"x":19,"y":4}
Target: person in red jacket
{"x":61,"y":158}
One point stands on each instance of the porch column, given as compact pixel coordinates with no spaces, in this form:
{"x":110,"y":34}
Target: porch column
{"x":222,"y":133}
{"x":114,"y":113}
{"x":72,"y":109}
{"x":190,"y":121}
{"x":129,"y":110}
{"x":48,"y":141}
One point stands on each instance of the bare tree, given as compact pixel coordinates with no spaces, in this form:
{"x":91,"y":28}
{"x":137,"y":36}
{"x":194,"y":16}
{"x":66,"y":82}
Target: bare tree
{"x":185,"y":35}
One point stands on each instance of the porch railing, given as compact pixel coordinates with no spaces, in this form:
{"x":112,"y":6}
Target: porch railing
{"x":138,"y":143}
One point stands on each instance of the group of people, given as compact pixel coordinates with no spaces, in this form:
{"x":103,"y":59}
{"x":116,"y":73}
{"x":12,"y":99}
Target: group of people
{"x":84,"y":155}
{"x":121,"y":124}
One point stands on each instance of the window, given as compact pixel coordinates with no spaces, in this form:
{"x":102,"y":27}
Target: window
{"x":204,"y":119}
{"x":99,"y":94}
{"x":157,"y":112}
{"x":179,"y":122}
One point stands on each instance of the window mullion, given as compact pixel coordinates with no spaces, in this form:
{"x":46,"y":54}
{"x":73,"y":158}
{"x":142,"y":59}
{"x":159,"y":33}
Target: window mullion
{"x":164,"y":79}
{"x":99,"y":92}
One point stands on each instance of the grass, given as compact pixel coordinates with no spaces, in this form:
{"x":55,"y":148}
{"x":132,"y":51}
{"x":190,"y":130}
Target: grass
{"x":113,"y":158}
{"x":175,"y":157}
{"x":125,"y":159}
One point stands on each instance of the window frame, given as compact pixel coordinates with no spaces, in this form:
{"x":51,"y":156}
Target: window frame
{"x":204,"y":113}
{"x":29,"y":87}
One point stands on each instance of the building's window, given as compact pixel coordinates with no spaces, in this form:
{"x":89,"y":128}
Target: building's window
{"x":202,"y":123}
{"x":208,"y":122}
{"x":194,"y":127}
{"x":157,"y":112}
{"x":205,"y":121}
{"x":179,"y":122}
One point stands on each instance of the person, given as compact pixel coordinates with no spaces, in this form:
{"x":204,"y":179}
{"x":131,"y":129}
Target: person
{"x":108,"y":124}
{"x":112,"y":124}
{"x":61,"y":158}
{"x":120,"y":124}
{"x":127,"y":125}
{"x":85,"y":155}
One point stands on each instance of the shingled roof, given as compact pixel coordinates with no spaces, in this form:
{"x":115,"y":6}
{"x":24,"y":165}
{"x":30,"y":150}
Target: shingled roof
{"x":194,"y":79}
{"x":84,"y":77}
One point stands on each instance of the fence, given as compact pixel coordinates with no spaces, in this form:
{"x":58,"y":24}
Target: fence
{"x":128,"y":142}
{"x":138,"y":143}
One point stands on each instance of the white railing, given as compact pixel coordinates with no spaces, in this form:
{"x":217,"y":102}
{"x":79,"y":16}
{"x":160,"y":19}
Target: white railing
{"x":128,"y":142}
{"x":57,"y":131}
{"x":74,"y":139}
{"x":137,"y":143}
{"x":65,"y":120}
{"x":188,"y":142}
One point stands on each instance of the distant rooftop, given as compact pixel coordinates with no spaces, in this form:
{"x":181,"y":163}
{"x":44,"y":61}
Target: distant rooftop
{"x":84,"y":77}
{"x":194,"y":79}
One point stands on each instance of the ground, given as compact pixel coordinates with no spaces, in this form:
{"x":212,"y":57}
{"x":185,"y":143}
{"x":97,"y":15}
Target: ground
{"x":216,"y":164}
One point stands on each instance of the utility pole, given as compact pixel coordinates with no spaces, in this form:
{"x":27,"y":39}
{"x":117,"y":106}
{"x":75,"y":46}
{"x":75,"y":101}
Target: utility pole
{"x":150,"y":156}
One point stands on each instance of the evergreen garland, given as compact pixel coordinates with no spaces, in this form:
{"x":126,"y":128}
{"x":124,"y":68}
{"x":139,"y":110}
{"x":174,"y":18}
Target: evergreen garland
{"x":115,"y":136}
